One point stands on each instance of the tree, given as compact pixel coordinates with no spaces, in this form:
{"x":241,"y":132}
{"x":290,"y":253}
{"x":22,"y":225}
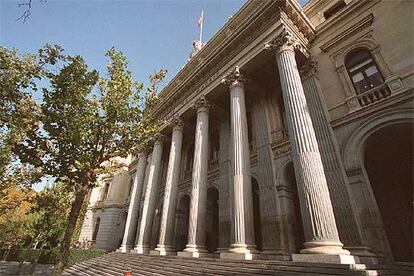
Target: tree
{"x":19,"y":112}
{"x":48,"y":215}
{"x":87,"y":123}
{"x":15,"y":203}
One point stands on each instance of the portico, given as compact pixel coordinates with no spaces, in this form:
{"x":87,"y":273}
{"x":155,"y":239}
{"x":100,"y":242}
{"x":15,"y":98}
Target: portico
{"x":221,"y":119}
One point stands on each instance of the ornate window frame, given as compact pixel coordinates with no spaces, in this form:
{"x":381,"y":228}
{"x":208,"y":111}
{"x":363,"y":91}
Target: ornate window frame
{"x":368,"y":42}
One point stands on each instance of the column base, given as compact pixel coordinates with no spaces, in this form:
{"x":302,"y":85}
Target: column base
{"x":326,"y":259}
{"x":124,"y":249}
{"x":241,"y":248}
{"x":162,"y":253}
{"x":324,"y":248}
{"x":197,"y":254}
{"x":162,"y":250}
{"x":239,"y":256}
{"x":140,"y":250}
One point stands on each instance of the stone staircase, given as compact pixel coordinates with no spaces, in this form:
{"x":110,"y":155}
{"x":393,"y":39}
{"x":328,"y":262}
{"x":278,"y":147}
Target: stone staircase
{"x":144,"y":265}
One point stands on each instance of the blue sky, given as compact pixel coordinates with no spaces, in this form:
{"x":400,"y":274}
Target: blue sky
{"x":154,"y":34}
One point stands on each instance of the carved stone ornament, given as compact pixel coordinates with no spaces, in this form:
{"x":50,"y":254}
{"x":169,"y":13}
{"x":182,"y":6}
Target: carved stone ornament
{"x":309,"y":68}
{"x":284,"y":41}
{"x":201,"y":105}
{"x":177,"y":123}
{"x":158,"y":138}
{"x":234,"y":78}
{"x":144,"y":148}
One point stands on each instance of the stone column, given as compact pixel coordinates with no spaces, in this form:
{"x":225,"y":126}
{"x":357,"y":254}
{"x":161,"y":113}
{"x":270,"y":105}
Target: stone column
{"x":147,"y":217}
{"x":338,"y":184}
{"x":196,"y":246}
{"x":133,"y":208}
{"x":321,"y":235}
{"x":165,"y":243}
{"x":271,"y":222}
{"x":225,"y":201}
{"x":243,"y":243}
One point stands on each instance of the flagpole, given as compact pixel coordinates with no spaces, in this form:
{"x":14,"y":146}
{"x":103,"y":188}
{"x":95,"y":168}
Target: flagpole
{"x":201,"y":28}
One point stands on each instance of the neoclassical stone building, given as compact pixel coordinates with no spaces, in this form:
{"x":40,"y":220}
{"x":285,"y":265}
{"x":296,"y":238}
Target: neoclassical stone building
{"x":289,"y":135}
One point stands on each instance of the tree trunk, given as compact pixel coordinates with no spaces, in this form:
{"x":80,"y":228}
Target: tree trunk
{"x":73,"y":217}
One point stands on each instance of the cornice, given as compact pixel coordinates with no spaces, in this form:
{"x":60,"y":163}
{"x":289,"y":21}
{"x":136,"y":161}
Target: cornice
{"x":345,"y":14}
{"x":361,"y":24}
{"x":210,"y":64}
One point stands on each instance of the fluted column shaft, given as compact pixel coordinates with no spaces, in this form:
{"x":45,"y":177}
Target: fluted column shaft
{"x":133,"y":208}
{"x":320,"y":229}
{"x":198,"y":203}
{"x":334,"y":170}
{"x":165,"y":243}
{"x":243,"y":223}
{"x":147,"y":217}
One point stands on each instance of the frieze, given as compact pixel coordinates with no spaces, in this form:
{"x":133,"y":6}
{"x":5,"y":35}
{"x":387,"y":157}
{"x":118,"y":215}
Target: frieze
{"x":263,"y":16}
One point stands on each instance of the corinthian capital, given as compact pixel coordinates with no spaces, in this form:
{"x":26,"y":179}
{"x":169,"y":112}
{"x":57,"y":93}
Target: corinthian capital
{"x":177,"y":123}
{"x":201,"y":105}
{"x":158,"y":138}
{"x":309,"y":68}
{"x":284,"y":41}
{"x":234,"y":78}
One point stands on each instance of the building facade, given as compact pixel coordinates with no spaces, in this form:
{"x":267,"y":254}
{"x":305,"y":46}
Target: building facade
{"x":289,"y":135}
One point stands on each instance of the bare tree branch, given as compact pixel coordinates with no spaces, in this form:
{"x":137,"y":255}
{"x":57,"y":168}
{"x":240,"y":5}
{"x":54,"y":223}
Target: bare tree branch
{"x":28,"y":8}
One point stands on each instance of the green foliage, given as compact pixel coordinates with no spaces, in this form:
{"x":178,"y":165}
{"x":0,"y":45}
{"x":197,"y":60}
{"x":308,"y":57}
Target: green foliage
{"x":48,"y":215}
{"x":19,"y":112}
{"x":83,"y":127}
{"x":49,"y":256}
{"x":88,"y":121}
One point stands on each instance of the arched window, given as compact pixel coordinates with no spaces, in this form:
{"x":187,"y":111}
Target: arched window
{"x":363,"y":70}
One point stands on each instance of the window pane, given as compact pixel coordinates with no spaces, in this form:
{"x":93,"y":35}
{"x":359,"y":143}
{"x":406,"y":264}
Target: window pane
{"x":358,"y":77}
{"x":371,"y":70}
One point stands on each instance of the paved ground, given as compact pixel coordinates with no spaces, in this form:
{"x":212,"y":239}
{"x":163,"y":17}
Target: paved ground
{"x":15,"y":268}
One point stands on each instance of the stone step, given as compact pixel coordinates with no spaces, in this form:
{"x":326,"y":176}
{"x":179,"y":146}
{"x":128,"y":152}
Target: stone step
{"x":260,"y":270}
{"x":116,"y":263}
{"x":263,"y":267}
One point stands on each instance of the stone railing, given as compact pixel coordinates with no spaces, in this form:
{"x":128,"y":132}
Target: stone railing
{"x":373,"y":95}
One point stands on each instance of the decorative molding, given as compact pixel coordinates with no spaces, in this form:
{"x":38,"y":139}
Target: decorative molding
{"x":283,"y":42}
{"x":253,"y":19}
{"x":234,"y":78}
{"x":202,"y":105}
{"x":177,"y":123}
{"x":158,"y":138}
{"x":309,"y":68}
{"x":363,"y":23}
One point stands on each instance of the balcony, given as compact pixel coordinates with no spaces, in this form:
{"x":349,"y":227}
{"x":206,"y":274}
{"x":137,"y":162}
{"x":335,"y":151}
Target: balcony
{"x":373,"y":95}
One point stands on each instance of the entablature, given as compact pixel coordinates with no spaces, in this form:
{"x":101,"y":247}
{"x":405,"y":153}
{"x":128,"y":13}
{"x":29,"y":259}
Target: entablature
{"x":236,"y":44}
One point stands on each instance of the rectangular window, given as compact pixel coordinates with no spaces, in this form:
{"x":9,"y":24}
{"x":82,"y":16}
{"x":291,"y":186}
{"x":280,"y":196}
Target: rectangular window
{"x":357,"y":77}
